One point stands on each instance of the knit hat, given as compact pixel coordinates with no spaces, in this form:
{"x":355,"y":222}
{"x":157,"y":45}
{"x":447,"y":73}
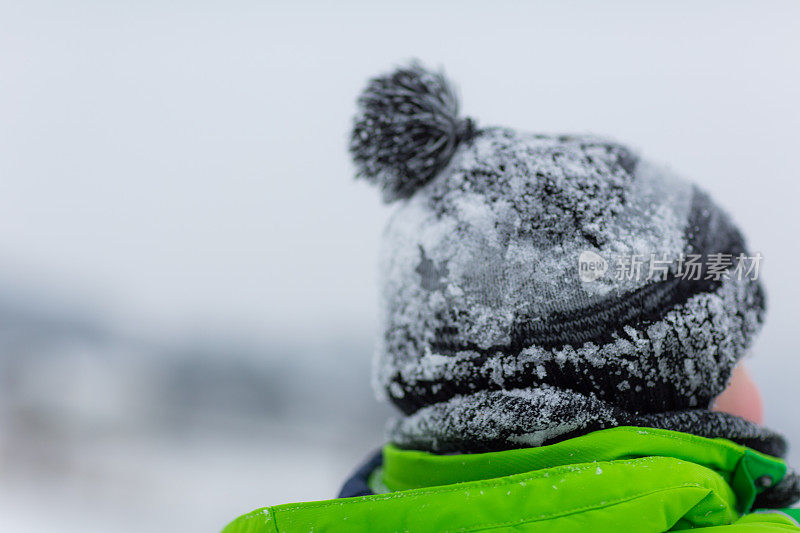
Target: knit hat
{"x":534,"y":286}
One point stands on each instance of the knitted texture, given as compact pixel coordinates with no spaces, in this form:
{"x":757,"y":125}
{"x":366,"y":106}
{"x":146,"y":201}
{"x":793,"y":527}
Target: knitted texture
{"x":481,"y":287}
{"x":491,"y":336}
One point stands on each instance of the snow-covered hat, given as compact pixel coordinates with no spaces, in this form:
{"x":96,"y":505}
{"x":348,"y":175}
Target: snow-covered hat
{"x":535,"y":287}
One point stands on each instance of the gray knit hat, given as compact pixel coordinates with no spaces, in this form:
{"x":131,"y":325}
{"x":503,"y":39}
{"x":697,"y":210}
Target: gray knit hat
{"x":534,"y":287}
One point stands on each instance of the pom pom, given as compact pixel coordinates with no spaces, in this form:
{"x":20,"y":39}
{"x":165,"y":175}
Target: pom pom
{"x":406,"y":130}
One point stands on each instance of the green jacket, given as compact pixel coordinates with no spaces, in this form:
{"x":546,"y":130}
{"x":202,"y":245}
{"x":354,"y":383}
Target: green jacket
{"x":624,"y":479}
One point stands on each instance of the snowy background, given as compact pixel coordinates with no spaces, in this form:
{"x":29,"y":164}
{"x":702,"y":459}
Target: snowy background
{"x":187,"y":269}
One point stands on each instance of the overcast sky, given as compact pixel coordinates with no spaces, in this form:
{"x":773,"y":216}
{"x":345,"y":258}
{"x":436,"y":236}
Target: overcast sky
{"x":183,"y":166}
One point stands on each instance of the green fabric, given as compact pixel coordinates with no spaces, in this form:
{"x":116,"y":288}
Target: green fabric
{"x":623,"y":478}
{"x":740,"y":466}
{"x":793,"y":513}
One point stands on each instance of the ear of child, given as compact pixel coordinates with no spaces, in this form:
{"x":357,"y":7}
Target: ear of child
{"x":742,"y":397}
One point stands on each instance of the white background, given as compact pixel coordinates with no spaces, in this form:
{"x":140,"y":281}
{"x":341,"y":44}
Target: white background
{"x":182,"y":167}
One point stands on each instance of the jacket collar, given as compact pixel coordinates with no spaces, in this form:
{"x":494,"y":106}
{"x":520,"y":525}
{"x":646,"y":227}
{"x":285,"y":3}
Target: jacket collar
{"x":747,"y":471}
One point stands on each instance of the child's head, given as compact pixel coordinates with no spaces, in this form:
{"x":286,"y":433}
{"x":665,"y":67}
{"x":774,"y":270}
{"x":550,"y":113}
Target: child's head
{"x":540,"y":286}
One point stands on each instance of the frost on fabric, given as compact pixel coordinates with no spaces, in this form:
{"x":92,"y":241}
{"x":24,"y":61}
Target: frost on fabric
{"x":505,"y":419}
{"x":687,"y":356}
{"x":511,"y":417}
{"x":554,"y":186}
{"x":469,"y":254}
{"x":491,"y":243}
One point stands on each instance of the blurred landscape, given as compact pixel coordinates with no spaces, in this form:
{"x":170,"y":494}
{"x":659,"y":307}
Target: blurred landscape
{"x":101,"y":431}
